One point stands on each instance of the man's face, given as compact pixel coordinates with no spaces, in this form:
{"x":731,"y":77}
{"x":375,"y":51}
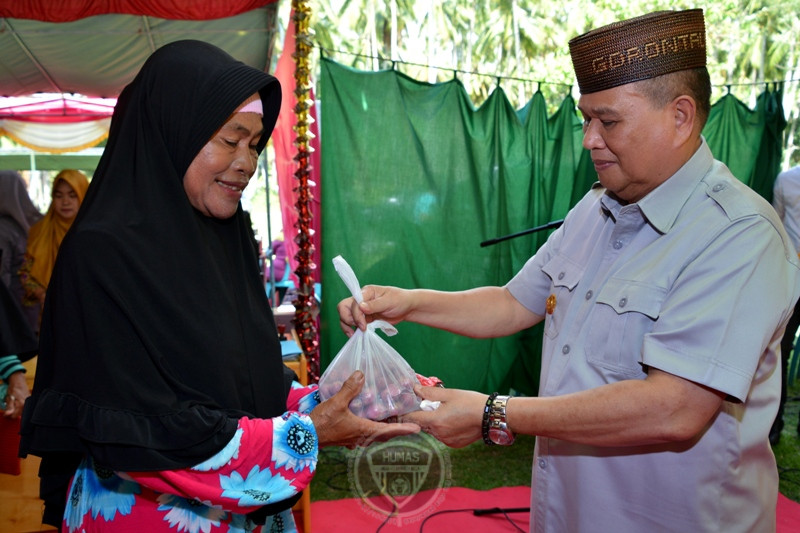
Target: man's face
{"x":222,"y":169}
{"x":631,"y":142}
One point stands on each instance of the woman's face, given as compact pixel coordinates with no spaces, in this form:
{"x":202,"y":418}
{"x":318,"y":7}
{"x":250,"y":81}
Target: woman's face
{"x":65,"y":200}
{"x":222,"y":169}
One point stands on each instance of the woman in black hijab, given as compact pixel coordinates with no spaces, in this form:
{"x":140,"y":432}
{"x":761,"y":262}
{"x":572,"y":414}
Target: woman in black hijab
{"x":160,"y":388}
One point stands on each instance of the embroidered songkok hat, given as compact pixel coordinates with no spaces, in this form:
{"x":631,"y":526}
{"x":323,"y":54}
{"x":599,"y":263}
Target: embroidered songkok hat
{"x":638,"y":49}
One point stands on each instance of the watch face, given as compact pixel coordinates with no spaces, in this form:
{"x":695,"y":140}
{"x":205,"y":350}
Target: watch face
{"x":500,"y":436}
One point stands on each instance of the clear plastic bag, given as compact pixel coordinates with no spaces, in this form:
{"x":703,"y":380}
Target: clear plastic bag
{"x":388,"y":379}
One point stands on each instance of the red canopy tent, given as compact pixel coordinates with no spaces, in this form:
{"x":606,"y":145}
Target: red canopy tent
{"x":56,"y":123}
{"x":71,"y":52}
{"x":70,"y":10}
{"x":95,"y":47}
{"x":58,"y":110}
{"x":81,"y":53}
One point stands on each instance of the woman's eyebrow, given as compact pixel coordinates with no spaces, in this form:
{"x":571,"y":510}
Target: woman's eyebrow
{"x":239,"y":127}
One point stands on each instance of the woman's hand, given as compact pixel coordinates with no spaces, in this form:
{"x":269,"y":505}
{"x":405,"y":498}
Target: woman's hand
{"x":336,"y":425}
{"x":18,"y":392}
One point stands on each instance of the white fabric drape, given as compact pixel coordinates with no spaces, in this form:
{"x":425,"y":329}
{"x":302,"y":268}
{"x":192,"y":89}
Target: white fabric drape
{"x":56,"y":138}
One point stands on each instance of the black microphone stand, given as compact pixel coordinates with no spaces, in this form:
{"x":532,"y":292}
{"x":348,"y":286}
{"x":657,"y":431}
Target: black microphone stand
{"x":494,"y":510}
{"x":549,"y":225}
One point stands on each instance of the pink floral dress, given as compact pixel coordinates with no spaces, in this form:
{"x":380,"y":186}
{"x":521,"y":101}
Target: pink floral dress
{"x":267,"y":460}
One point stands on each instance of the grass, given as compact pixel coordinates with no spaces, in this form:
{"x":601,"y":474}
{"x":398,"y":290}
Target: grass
{"x":482,"y":467}
{"x":476,"y":466}
{"x":787,"y":451}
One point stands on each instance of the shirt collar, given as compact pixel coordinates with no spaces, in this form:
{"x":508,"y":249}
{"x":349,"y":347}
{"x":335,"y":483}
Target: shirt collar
{"x":662,"y":205}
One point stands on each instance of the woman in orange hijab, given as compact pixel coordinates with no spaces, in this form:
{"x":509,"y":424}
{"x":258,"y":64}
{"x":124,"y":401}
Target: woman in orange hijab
{"x":44,"y":238}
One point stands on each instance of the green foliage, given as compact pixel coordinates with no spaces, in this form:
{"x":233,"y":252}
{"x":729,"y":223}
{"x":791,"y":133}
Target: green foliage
{"x":524,"y":43}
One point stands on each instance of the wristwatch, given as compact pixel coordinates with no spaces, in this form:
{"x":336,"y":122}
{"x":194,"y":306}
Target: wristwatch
{"x":495,"y":427}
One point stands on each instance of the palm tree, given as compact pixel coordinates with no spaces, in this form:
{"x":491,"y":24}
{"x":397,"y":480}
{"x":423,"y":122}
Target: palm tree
{"x":520,"y":40}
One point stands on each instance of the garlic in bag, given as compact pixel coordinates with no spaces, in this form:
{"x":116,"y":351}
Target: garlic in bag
{"x":388,"y":379}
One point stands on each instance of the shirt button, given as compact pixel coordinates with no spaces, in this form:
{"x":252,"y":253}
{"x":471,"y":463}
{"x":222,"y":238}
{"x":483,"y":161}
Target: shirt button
{"x":718,"y":187}
{"x":622,"y":302}
{"x":617,"y":245}
{"x":542,"y":463}
{"x":565,"y":349}
{"x":560,"y":275}
{"x":589,"y":294}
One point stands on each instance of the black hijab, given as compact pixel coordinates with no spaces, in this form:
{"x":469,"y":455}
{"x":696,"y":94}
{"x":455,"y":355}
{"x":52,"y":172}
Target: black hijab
{"x":157,"y":334}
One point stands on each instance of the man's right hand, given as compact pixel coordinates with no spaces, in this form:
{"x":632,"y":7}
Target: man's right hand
{"x":379,"y":303}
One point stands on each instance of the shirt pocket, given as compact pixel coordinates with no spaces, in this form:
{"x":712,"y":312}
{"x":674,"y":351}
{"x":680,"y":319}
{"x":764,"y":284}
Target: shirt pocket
{"x":564,"y":275}
{"x":624,"y":313}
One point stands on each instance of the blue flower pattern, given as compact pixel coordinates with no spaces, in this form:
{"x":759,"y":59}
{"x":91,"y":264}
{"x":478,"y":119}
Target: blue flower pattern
{"x":295,"y":445}
{"x":240,"y":523}
{"x":259,"y":488}
{"x":112,"y":495}
{"x":280,"y":523}
{"x":99,"y":491}
{"x":224,"y":456}
{"x":190,"y":515}
{"x":309,"y":401}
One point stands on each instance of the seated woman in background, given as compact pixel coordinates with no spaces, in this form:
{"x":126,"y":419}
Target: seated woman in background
{"x":17,"y":215}
{"x":17,"y":345}
{"x":44,"y":238}
{"x":161,"y":402}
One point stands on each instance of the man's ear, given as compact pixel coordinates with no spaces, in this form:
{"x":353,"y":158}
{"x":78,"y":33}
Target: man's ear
{"x":685,"y":113}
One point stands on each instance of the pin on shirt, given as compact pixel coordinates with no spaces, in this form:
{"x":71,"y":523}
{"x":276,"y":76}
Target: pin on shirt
{"x":550,"y":304}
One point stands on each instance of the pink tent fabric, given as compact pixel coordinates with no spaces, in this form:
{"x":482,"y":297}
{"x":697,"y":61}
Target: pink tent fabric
{"x":283,"y":140}
{"x":70,"y":10}
{"x":56,"y":109}
{"x":56,"y":123}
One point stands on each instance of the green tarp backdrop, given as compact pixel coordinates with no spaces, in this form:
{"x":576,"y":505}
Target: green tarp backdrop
{"x":415,"y":178}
